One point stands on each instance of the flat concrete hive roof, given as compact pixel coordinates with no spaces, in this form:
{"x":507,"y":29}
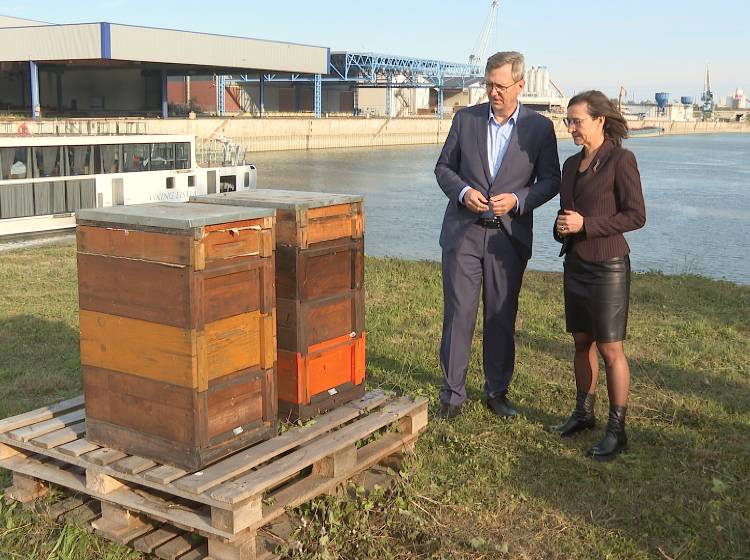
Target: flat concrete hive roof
{"x":281,"y":199}
{"x":109,"y":41}
{"x":170,"y":215}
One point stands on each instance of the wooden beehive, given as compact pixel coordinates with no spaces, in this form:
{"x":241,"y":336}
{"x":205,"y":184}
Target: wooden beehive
{"x":178,"y":342}
{"x":319,"y":295}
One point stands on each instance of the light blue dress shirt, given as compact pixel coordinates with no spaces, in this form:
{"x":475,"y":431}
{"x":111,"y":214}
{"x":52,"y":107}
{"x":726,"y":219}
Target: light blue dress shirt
{"x":498,"y":140}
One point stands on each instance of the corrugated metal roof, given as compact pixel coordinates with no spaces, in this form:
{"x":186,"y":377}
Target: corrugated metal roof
{"x":10,"y":21}
{"x":182,"y":47}
{"x":50,"y":42}
{"x":100,"y":41}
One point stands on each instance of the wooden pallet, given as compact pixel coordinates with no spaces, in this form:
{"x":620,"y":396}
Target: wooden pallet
{"x":228,"y":501}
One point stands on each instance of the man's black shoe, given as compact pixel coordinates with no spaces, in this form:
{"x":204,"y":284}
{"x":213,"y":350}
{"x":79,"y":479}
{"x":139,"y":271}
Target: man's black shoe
{"x":448,"y":411}
{"x":501,"y":406}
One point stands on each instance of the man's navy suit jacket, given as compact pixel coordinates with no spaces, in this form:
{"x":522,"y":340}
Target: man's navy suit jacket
{"x":530,"y":169}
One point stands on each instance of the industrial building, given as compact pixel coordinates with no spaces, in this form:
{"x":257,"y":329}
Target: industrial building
{"x":106,"y":69}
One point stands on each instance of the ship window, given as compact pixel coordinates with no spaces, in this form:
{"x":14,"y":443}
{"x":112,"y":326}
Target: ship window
{"x":191,"y":180}
{"x":170,"y":182}
{"x":47,"y":161}
{"x":135,"y":157}
{"x":247,"y":179}
{"x":109,"y":158}
{"x":14,"y":163}
{"x":182,"y":155}
{"x":227,"y":183}
{"x":162,"y":157}
{"x":79,"y":160}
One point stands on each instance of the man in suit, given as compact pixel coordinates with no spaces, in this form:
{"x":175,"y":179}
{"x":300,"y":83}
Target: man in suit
{"x":499,"y":162}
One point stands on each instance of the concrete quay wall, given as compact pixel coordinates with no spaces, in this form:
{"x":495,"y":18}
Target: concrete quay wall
{"x":271,"y":134}
{"x":261,"y":135}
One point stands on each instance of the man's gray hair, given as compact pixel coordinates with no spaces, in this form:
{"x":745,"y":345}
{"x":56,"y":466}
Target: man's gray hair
{"x":518,"y":68}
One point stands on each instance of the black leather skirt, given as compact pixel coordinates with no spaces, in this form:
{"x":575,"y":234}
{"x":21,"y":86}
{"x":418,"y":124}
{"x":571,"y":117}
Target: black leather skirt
{"x":597,"y":295}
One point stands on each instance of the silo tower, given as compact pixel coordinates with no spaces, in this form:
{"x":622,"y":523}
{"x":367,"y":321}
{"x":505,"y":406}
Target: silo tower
{"x":662,"y":100}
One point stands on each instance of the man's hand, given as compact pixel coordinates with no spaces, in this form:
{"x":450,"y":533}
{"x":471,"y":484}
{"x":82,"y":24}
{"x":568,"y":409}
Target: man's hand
{"x":502,"y":203}
{"x":475,"y":201}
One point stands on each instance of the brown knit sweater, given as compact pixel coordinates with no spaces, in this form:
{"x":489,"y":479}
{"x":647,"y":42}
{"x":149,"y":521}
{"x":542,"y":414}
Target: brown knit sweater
{"x":609,"y":197}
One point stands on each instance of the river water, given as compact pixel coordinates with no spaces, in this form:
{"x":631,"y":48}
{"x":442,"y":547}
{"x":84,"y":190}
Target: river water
{"x":697,"y":191}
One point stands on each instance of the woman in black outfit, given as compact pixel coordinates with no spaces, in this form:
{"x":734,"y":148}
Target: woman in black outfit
{"x":600,"y":199}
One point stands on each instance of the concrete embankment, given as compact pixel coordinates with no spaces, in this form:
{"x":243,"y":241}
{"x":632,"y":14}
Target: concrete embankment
{"x":260,"y":135}
{"x":271,"y":134}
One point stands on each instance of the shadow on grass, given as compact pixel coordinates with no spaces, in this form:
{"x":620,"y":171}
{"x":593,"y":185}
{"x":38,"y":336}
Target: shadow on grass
{"x":678,"y":491}
{"x":397,"y":375}
{"x":39,"y":363}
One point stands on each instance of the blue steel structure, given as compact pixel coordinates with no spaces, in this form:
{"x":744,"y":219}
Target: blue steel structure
{"x":34,"y":75}
{"x":221,"y":83}
{"x":371,"y":69}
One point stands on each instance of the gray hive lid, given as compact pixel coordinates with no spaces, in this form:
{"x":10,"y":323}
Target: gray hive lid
{"x":171,"y":215}
{"x":274,"y":198}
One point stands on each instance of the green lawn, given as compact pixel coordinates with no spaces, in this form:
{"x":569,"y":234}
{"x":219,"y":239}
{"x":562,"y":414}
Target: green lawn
{"x":477,"y":487}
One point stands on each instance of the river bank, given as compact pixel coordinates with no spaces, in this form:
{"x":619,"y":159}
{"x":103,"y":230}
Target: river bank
{"x":294,"y":133}
{"x":477,"y":487}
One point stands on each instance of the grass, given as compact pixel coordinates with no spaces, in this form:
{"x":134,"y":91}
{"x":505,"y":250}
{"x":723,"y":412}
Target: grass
{"x":477,"y":487}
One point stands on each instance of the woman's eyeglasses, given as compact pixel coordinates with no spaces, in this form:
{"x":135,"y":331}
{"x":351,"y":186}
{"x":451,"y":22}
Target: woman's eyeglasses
{"x":574,"y":122}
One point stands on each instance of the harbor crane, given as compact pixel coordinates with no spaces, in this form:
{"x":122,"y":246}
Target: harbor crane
{"x":623,"y":92}
{"x":707,"y":98}
{"x":476,"y":58}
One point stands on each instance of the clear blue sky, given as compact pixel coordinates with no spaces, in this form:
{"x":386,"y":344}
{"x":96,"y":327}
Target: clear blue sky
{"x":645,"y":45}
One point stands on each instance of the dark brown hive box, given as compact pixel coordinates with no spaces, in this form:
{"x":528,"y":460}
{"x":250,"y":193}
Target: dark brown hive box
{"x":319,"y":295}
{"x":178,"y":341}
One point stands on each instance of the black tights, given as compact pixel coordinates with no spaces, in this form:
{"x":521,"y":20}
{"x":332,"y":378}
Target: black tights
{"x":586,"y":367}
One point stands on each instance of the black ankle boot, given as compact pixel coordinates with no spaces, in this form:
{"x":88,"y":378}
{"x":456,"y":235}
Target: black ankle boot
{"x":614,"y":440}
{"x":582,"y":417}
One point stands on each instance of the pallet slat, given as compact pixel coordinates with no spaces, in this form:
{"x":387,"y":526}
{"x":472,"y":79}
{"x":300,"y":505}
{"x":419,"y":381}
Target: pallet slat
{"x":147,"y":543}
{"x":129,"y":499}
{"x":104,"y":456}
{"x":173,"y":549}
{"x":199,"y":553}
{"x":35,"y":430}
{"x":244,"y":461}
{"x":40,"y":414}
{"x":164,"y":474}
{"x":77,"y":448}
{"x":133,"y":464}
{"x":315,"y":485}
{"x":230,"y":512}
{"x":258,"y":481}
{"x":60,"y":437}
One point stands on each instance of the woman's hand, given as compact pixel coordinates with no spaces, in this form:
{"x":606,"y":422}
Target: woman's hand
{"x":569,"y":222}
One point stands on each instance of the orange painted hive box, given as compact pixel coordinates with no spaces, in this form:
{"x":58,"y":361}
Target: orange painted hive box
{"x":178,"y":331}
{"x":320,"y":316}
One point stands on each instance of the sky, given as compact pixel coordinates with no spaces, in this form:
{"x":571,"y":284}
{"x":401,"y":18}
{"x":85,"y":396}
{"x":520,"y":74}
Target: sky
{"x":645,"y":46}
